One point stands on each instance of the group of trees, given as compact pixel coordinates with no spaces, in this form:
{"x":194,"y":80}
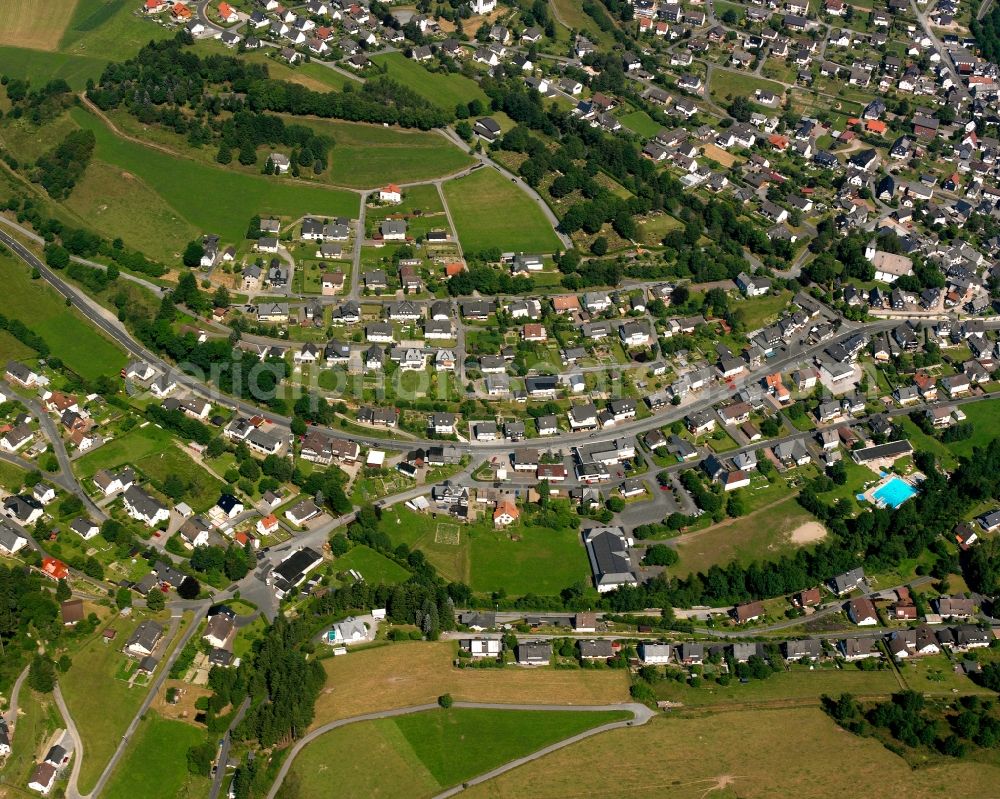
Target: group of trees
{"x":987,"y":34}
{"x":232,"y":561}
{"x":37,"y":105}
{"x":60,"y":168}
{"x":909,"y":719}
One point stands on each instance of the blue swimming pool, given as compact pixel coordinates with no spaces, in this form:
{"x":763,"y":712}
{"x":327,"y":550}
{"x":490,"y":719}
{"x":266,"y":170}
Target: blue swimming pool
{"x":894,"y":492}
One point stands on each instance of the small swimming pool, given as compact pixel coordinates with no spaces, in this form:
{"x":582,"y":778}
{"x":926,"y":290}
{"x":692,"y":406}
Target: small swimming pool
{"x":894,"y":492}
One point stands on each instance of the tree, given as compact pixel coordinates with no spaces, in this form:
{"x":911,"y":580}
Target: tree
{"x":221,"y":297}
{"x":193,"y":253}
{"x":56,"y":256}
{"x":660,"y":555}
{"x":298,"y":426}
{"x":42,"y":674}
{"x":339,"y":545}
{"x":123,"y":598}
{"x":225,"y":154}
{"x":199,"y":758}
{"x":615,"y":504}
{"x":445,"y":701}
{"x":63,"y":591}
{"x":189,"y":589}
{"x":155,"y":600}
{"x":599,"y":246}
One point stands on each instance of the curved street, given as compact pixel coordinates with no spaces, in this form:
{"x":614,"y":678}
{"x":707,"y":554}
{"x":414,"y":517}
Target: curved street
{"x":640,"y":715}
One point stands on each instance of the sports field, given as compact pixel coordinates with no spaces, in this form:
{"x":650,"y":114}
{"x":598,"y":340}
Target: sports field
{"x":370,"y":156}
{"x":438,"y":88}
{"x":490,"y":211}
{"x":214,"y":199}
{"x":531,"y":560}
{"x":153,"y":764}
{"x":421,"y":754}
{"x":32,"y":24}
{"x":67,"y":333}
{"x":415,"y":672}
{"x":791,"y":752}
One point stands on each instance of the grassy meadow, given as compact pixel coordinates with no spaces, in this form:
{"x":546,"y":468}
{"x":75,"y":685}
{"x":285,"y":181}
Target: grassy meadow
{"x":81,"y":347}
{"x":440,"y":89}
{"x":213,"y":198}
{"x":423,"y":753}
{"x":490,"y":211}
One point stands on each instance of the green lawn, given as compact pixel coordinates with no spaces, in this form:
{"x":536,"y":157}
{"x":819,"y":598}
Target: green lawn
{"x":420,"y":754}
{"x":38,"y":718}
{"x":640,"y":122}
{"x":369,"y":156}
{"x":490,"y":211}
{"x":67,"y":333}
{"x":373,"y":566}
{"x":418,"y":531}
{"x":203,"y":489}
{"x":925,"y":443}
{"x":125,"y":450}
{"x":758,"y":311}
{"x":215,"y":199}
{"x":442,"y":90}
{"x":101,"y":705}
{"x":740,"y":84}
{"x":982,"y":415}
{"x":154,"y":764}
{"x":542,"y":562}
{"x":11,"y":476}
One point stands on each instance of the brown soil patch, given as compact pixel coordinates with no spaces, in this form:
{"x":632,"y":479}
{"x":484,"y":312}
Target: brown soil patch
{"x":808,"y":533}
{"x":716,"y":153}
{"x":184,"y":710}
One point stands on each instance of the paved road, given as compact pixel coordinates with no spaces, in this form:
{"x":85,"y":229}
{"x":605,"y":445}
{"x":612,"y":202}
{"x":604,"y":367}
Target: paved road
{"x":640,"y":715}
{"x":223,"y":760}
{"x":15,"y":693}
{"x":74,"y":775}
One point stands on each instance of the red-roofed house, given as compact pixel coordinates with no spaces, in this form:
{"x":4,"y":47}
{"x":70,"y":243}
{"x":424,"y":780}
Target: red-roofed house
{"x":876,"y":126}
{"x":390,"y":194}
{"x":155,"y":6}
{"x":506,"y":514}
{"x":267,"y":525}
{"x":778,"y":142}
{"x":181,"y":13}
{"x":227,"y":13}
{"x":453,"y":269}
{"x":54,"y":568}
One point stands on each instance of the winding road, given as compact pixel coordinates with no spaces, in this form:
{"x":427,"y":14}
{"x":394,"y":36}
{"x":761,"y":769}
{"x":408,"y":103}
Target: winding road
{"x":640,"y":715}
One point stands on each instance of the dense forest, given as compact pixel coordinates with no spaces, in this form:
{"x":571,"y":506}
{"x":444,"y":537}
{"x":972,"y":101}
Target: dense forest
{"x":987,"y":34}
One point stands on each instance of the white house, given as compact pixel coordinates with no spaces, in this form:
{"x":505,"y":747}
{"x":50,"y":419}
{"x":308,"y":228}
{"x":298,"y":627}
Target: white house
{"x":390,"y":194}
{"x":142,"y":507}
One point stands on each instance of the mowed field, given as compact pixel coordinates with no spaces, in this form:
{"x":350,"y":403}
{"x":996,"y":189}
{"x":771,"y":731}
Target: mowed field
{"x":138,"y":443}
{"x":442,"y":90}
{"x":369,"y":156}
{"x":203,"y":489}
{"x":152,"y":765}
{"x":373,"y":566}
{"x":416,"y":672}
{"x":33,"y":24}
{"x":540,"y":561}
{"x":760,"y":536}
{"x":490,"y":211}
{"x":81,"y":347}
{"x":421,"y":754}
{"x":214,"y":199}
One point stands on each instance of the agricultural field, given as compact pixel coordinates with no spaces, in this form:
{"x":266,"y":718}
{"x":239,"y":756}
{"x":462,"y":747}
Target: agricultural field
{"x":81,"y":347}
{"x":129,"y":448}
{"x":109,"y":30}
{"x":415,"y":672}
{"x":152,"y":768}
{"x":707,"y":757}
{"x":370,"y":156}
{"x":476,"y":202}
{"x":763,"y":535}
{"x":373,"y":566}
{"x":214,"y":199}
{"x":421,"y":754}
{"x":442,"y":90}
{"x":42,"y":66}
{"x":37,"y":26}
